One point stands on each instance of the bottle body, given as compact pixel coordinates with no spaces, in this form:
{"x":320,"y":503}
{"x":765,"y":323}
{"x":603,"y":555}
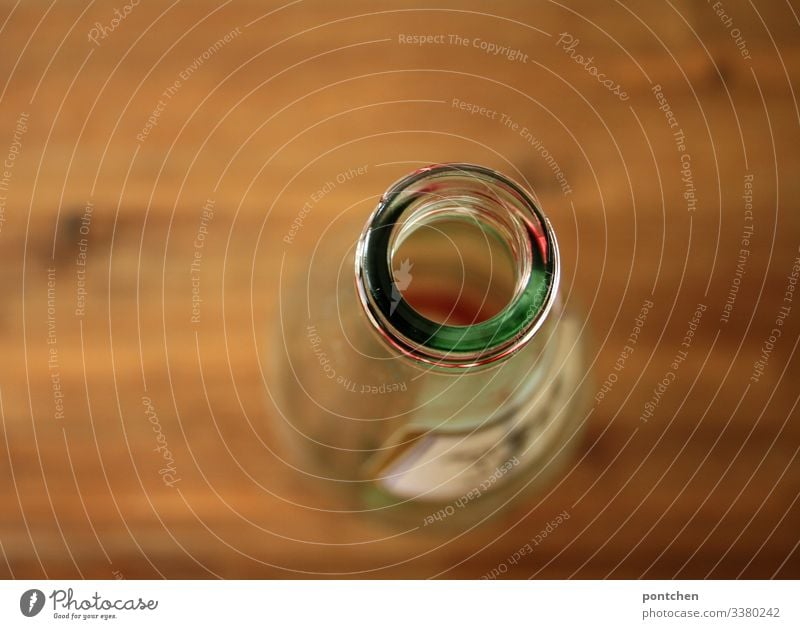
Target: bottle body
{"x":439,"y":383}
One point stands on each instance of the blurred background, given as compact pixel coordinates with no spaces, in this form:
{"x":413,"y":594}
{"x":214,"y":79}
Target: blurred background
{"x":661,"y":138}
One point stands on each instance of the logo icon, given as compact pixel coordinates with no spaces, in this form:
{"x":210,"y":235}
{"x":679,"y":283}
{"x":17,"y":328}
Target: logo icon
{"x":402,"y":279}
{"x":31,"y":602}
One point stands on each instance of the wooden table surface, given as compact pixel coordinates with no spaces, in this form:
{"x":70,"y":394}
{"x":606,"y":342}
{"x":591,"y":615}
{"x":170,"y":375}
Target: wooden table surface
{"x":117,"y":132}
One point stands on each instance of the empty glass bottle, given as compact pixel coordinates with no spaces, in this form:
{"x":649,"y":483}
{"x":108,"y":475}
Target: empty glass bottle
{"x":449,"y":379}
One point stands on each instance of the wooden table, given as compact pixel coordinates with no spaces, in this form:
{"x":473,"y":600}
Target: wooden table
{"x":118,"y":137}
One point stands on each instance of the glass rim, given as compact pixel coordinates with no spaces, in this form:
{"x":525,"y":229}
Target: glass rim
{"x":441,"y":344}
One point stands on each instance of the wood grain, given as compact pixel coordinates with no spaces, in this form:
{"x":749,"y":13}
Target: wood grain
{"x":707,"y":487}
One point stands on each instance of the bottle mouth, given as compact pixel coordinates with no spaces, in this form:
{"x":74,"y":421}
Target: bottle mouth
{"x":457,"y":266}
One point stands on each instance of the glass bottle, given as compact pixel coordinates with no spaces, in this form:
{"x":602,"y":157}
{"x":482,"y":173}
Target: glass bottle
{"x":449,"y":380}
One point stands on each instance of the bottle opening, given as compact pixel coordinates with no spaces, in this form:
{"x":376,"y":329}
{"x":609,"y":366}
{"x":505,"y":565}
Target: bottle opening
{"x":453,"y":269}
{"x":457,"y":266}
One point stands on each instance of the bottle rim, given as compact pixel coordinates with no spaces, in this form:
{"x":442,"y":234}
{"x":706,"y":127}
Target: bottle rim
{"x":490,"y":197}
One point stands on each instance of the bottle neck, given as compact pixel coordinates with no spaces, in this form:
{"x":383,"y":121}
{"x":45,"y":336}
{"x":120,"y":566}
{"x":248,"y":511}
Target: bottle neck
{"x":457,"y":267}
